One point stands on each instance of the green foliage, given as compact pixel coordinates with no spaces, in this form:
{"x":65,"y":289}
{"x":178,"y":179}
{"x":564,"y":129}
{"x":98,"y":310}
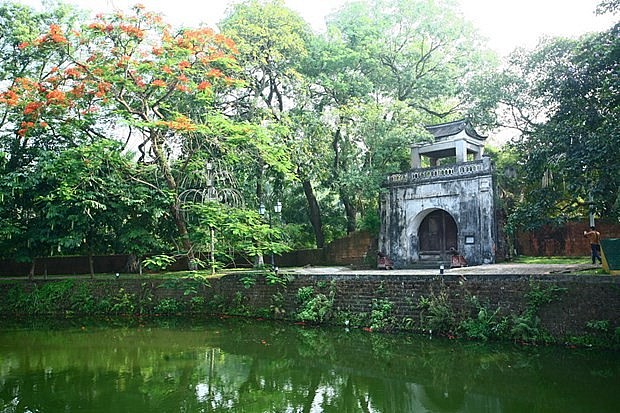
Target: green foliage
{"x":484,"y":325}
{"x":540,"y":294}
{"x":598,"y":325}
{"x":526,"y":326}
{"x":276,"y":307}
{"x":314,"y":306}
{"x":562,"y":97}
{"x":158,"y":262}
{"x":279,"y":279}
{"x":197,"y":304}
{"x":381,"y":314}
{"x":123,"y":302}
{"x":238,"y":305}
{"x":436,"y":313}
{"x":238,"y":232}
{"x":304,"y":294}
{"x":168,"y":306}
{"x":249,"y":281}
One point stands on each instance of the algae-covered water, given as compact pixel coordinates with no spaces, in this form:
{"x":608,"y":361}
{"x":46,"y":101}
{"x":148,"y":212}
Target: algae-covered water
{"x":235,"y":365}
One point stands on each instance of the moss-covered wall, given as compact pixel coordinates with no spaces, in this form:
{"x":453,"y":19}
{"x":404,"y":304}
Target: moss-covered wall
{"x":525,"y":308}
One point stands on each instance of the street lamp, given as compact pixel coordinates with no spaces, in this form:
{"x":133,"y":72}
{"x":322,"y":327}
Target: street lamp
{"x":211,"y":196}
{"x":277,"y":208}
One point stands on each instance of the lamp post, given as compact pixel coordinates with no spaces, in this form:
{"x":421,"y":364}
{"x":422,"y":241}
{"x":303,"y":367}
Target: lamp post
{"x":210,"y":197}
{"x":277,"y":208}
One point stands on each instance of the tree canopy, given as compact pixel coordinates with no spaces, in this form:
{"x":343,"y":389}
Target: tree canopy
{"x":122,"y":133}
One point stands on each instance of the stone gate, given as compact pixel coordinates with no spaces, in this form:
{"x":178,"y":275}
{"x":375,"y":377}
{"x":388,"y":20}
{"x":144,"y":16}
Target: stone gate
{"x":429,"y":212}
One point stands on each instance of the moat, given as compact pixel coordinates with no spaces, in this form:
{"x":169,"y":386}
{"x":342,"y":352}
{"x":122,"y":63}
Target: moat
{"x":240,"y":365}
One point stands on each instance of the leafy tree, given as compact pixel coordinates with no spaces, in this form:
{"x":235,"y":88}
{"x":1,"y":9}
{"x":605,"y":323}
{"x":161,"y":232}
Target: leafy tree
{"x":134,"y":71}
{"x":385,"y":68}
{"x":273,"y":44}
{"x":89,"y":204}
{"x":563,"y":97}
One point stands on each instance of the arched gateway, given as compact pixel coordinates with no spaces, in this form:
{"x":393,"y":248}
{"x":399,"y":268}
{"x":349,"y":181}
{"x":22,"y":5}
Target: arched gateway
{"x":426,"y":211}
{"x":437,"y":234}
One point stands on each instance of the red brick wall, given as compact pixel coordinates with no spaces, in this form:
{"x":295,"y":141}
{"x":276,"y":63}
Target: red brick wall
{"x":357,"y":249}
{"x":567,"y":240}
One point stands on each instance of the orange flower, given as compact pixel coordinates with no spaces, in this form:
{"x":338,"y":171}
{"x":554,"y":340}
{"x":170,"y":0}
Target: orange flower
{"x":182,"y":123}
{"x":10,"y":98}
{"x":56,"y":96}
{"x":184,"y":64}
{"x":96,"y":26}
{"x":78,"y":91}
{"x":204,"y":85}
{"x":32,"y":107}
{"x":182,"y":78}
{"x":102,"y":89}
{"x":132,"y":31}
{"x":166,"y":69}
{"x":72,"y":72}
{"x":158,"y":83}
{"x":43,"y":124}
{"x":23,"y":45}
{"x":215,"y":73}
{"x":56,"y":34}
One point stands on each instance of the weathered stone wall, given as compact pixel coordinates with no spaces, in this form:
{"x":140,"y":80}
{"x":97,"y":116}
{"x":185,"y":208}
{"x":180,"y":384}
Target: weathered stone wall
{"x":465,"y":191}
{"x":582,"y":299}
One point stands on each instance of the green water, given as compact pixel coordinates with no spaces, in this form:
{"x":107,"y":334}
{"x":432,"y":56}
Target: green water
{"x":231,"y":365}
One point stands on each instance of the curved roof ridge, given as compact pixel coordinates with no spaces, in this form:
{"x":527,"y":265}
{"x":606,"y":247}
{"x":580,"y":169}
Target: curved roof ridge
{"x":452,"y":128}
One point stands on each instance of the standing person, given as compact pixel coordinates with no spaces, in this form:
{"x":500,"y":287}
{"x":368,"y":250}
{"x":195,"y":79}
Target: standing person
{"x":595,"y":243}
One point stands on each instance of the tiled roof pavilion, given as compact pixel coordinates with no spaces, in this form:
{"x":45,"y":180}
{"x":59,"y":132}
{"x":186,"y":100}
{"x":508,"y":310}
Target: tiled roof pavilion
{"x":457,"y":138}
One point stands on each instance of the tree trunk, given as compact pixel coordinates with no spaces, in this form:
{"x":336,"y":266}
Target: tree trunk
{"x":339,"y":163}
{"x":315,"y":213}
{"x":179,"y":219}
{"x":350,"y":212}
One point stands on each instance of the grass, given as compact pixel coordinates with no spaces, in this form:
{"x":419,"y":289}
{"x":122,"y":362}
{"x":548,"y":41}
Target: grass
{"x":551,"y":260}
{"x":562,"y":260}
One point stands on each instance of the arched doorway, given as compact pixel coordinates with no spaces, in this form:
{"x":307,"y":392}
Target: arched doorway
{"x":437,"y":234}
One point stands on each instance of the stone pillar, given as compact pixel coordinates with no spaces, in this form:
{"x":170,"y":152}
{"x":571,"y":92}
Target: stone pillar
{"x":479,"y":154}
{"x":415,"y":157}
{"x":461,"y":151}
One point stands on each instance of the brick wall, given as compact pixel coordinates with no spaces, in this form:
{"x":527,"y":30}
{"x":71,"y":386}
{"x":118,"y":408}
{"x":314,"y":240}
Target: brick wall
{"x":567,"y":240}
{"x":357,"y":249}
{"x":584,"y":298}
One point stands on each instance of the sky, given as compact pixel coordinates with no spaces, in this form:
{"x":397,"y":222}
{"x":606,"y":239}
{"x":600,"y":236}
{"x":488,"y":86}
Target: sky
{"x":506,"y":24}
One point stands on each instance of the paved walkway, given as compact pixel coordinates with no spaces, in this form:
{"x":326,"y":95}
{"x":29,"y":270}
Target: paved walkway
{"x":491,"y":269}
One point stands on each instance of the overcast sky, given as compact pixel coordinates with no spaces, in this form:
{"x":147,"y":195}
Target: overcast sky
{"x":505,"y":23}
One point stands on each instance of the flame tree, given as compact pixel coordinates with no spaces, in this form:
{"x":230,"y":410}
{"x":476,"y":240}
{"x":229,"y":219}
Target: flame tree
{"x":134,"y":74}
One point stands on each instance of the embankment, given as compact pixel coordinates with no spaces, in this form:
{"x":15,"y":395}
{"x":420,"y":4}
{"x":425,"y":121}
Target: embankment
{"x":517,"y":307}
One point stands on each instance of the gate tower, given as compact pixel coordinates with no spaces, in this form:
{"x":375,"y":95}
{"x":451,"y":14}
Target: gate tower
{"x":428,"y":212}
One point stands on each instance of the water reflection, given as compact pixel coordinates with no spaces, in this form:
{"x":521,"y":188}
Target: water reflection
{"x":243,"y":366}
